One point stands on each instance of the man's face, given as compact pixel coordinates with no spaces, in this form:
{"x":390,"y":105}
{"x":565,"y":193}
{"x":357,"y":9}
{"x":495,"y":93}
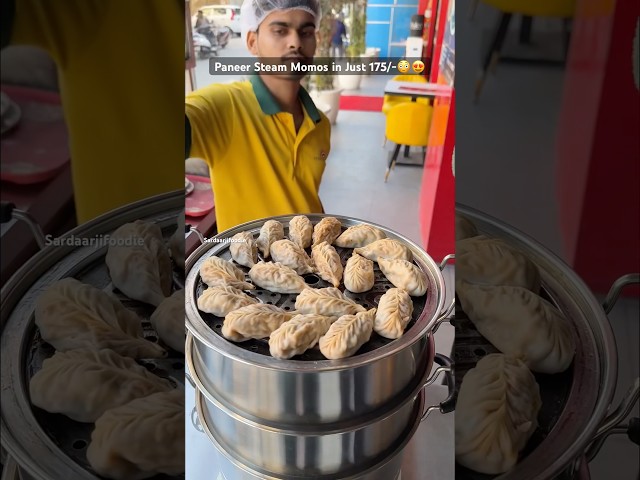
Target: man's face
{"x":283,"y":35}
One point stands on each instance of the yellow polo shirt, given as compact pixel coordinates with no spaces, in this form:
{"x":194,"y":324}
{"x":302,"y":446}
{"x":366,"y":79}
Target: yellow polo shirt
{"x":259,"y":165}
{"x":121,"y":72}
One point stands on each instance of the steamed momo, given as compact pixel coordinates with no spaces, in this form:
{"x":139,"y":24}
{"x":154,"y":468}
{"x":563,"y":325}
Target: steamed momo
{"x":222,"y":300}
{"x":358,"y":274}
{"x":359,"y":236}
{"x":83,"y":384}
{"x":489,"y":261}
{"x":253,"y":321}
{"x":276,"y":278}
{"x":271,"y":231}
{"x":141,"y":439}
{"x":140,"y":267}
{"x":300,"y":231}
{"x":404,"y":275}
{"x":464,"y":228}
{"x":347,"y":335}
{"x":520,"y":323}
{"x":168,"y":320}
{"x":326,"y":301}
{"x":496,"y":414}
{"x":244,"y":250}
{"x":394,"y":313}
{"x":298,"y":335}
{"x":327,"y":262}
{"x":385,"y":248}
{"x":71,"y":315}
{"x":291,"y":255}
{"x":216,"y":272}
{"x":326,"y":230}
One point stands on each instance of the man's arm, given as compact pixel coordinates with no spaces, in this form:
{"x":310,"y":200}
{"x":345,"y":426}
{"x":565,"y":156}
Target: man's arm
{"x":209,"y":123}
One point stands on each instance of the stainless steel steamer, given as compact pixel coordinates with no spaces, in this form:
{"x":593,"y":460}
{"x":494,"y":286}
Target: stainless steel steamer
{"x":46,"y":446}
{"x":386,"y":468}
{"x":576,"y":404}
{"x":300,"y":451}
{"x":310,"y":390}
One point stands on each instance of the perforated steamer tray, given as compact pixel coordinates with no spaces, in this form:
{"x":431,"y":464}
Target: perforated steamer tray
{"x":52,"y":446}
{"x":427,"y":305}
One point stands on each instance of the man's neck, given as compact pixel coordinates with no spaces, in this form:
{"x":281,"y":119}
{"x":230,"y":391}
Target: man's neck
{"x":285,"y":92}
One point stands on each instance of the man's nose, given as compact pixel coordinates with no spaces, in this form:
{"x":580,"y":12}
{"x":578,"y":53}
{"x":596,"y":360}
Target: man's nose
{"x":294,"y":41}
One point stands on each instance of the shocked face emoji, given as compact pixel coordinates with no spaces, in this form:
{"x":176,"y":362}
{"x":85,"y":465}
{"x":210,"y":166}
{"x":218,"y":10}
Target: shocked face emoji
{"x":403,"y":66}
{"x":418,"y":66}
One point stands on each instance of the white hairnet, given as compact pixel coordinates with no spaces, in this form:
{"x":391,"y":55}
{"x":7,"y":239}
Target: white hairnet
{"x":253,"y":12}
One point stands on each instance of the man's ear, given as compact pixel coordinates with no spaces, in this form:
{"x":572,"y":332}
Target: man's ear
{"x":252,"y":43}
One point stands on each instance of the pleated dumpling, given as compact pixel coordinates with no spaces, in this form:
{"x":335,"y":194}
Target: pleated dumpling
{"x":222,"y":300}
{"x":253,"y":321}
{"x":358,"y":274}
{"x":244,"y":249}
{"x":298,"y":335}
{"x":520,"y":323}
{"x":326,"y":230}
{"x":271,"y":231}
{"x":291,"y":255}
{"x":176,"y":242}
{"x":394,"y":313}
{"x":328,"y":301}
{"x":491,"y":261}
{"x":138,"y":262}
{"x":385,"y":248}
{"x":359,"y":236}
{"x":301,"y":231}
{"x":217,"y":272}
{"x":276,"y":278}
{"x":404,"y":275}
{"x":347,"y":334}
{"x":464,"y":228}
{"x":83,"y":384}
{"x":168,"y":320}
{"x":71,"y":314}
{"x":141,"y":439}
{"x":496,"y":414}
{"x":327,"y":263}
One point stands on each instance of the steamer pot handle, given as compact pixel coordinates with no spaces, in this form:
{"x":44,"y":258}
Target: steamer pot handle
{"x":616,"y":288}
{"x":449,"y":404}
{"x":446,"y":259}
{"x":613,"y":420}
{"x":190,"y":228}
{"x":445,"y":316}
{"x":8,"y":212}
{"x":195,"y":421}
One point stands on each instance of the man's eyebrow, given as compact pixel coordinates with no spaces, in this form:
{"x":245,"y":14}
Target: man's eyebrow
{"x":276,"y":23}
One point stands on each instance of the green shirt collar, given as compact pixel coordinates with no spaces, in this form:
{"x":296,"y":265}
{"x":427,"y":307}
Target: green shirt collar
{"x":269,"y":105}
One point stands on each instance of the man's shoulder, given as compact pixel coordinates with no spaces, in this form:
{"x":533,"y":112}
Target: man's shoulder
{"x":220,"y":92}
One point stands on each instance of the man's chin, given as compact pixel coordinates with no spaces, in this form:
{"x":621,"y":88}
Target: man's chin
{"x":292,"y":77}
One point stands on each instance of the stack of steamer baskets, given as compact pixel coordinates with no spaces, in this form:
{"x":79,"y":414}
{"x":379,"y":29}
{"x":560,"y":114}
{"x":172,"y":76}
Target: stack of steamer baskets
{"x":309,"y":417}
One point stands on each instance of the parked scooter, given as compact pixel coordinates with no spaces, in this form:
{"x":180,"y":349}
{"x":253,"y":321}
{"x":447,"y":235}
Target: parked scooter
{"x":203,"y":46}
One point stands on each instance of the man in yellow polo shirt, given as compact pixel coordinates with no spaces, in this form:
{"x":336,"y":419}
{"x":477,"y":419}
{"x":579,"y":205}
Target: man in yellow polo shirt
{"x":264,"y":140}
